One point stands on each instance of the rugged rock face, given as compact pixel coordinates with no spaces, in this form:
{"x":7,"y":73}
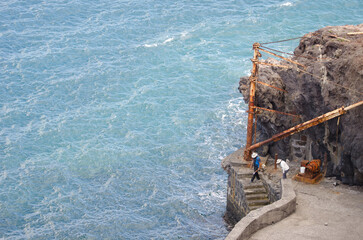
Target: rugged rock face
{"x":334,"y":62}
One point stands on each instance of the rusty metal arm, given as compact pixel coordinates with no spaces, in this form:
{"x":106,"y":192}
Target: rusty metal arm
{"x":313,"y":122}
{"x":286,"y":59}
{"x":273,"y":65}
{"x":270,"y":110}
{"x":268,"y":85}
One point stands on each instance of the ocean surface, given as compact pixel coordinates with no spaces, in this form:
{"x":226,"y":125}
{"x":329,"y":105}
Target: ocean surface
{"x":115,"y":115}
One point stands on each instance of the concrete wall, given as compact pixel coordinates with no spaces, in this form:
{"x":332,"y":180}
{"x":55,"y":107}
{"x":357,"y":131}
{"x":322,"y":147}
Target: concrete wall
{"x":236,"y":199}
{"x":274,"y":193}
{"x":237,"y":206}
{"x":267,"y":215}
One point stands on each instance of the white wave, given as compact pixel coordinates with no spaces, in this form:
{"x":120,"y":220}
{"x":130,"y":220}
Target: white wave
{"x":236,"y":111}
{"x":286,"y":4}
{"x":150,"y":45}
{"x":160,"y":43}
{"x":212,"y":196}
{"x":7,"y":141}
{"x":184,"y":35}
{"x":168,"y":40}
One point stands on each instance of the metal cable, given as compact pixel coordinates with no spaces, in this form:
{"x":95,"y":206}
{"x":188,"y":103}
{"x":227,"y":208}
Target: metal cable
{"x":318,"y":77}
{"x":284,"y":40}
{"x":277,"y":50}
{"x":291,"y":54}
{"x":351,"y":89}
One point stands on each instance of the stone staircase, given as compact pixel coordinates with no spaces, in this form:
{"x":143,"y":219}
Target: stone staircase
{"x":243,"y":196}
{"x":256,"y":194}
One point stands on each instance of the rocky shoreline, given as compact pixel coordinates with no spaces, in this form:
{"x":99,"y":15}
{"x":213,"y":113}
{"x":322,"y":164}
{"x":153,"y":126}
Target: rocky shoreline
{"x":332,"y":78}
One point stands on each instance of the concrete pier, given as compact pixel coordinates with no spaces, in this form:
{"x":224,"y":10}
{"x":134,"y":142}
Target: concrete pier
{"x":248,"y":203}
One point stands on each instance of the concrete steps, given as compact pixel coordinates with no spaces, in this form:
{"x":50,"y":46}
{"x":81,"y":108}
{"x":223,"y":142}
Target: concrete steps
{"x":254,"y":207}
{"x":255,"y":191}
{"x":256,"y":195}
{"x":258,"y":202}
{"x":255,"y":185}
{"x":244,"y":173}
{"x":242,"y":176}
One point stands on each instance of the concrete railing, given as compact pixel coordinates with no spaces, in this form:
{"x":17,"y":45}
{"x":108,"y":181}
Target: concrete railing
{"x":266,"y":215}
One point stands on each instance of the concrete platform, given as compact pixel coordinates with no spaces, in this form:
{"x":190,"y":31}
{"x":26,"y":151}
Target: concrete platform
{"x":323,"y":212}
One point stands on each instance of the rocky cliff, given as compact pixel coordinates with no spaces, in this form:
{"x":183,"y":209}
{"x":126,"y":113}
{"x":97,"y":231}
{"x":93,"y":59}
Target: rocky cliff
{"x":333,"y":78}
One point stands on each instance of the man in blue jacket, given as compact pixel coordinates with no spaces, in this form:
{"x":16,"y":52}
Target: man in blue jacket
{"x":256,"y":166}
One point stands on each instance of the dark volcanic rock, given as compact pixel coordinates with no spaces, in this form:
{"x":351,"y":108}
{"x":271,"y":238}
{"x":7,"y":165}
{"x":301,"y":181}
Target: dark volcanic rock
{"x":334,"y":60}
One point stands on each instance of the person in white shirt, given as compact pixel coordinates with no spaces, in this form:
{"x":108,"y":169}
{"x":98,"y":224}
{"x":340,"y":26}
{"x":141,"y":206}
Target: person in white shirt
{"x":285,"y":168}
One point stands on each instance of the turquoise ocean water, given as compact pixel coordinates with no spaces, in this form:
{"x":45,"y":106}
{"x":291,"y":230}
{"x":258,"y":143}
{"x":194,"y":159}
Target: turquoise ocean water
{"x":115,"y":115}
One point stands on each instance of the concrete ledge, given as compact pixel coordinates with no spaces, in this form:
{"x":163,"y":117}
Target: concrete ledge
{"x":266,"y":215}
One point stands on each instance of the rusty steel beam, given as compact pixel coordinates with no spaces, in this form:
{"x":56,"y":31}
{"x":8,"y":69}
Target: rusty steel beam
{"x":286,"y":59}
{"x":300,"y":127}
{"x":268,"y":85}
{"x":274,"y":111}
{"x":274,"y":65}
{"x":251,"y":104}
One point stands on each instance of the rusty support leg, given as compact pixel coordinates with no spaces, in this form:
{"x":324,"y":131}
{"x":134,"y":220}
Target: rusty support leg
{"x":251,"y":104}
